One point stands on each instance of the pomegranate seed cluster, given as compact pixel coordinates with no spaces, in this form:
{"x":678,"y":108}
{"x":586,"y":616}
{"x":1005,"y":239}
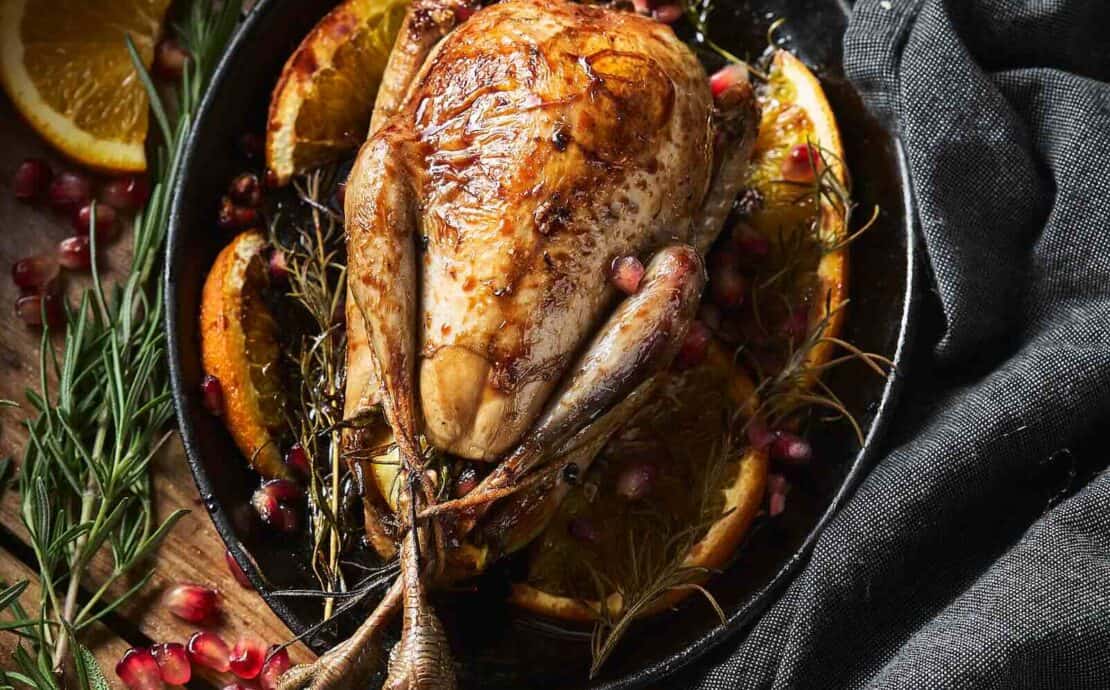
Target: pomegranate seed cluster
{"x":73,"y":195}
{"x":172,"y":663}
{"x":241,"y":207}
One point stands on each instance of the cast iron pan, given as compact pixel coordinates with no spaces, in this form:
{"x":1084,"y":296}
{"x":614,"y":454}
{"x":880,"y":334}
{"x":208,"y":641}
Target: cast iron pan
{"x":495,"y":647}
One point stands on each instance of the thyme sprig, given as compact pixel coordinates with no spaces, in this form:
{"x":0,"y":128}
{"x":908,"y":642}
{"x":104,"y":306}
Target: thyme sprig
{"x":315,"y":255}
{"x":84,"y":482}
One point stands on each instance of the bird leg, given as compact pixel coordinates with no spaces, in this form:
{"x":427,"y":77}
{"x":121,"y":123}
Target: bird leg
{"x":349,"y":664}
{"x":640,"y":339}
{"x":525,"y":514}
{"x":421,"y":660}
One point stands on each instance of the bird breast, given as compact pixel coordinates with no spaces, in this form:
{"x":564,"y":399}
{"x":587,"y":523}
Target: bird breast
{"x":549,"y":139}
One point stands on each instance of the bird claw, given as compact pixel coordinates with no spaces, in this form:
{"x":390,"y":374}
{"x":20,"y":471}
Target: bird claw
{"x":350,"y":664}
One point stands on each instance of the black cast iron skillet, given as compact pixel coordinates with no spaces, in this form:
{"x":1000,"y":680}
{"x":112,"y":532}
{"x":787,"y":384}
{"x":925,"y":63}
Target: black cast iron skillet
{"x":496,"y":647}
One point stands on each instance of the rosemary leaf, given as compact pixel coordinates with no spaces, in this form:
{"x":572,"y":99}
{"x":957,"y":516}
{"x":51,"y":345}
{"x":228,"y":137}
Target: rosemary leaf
{"x":84,"y":482}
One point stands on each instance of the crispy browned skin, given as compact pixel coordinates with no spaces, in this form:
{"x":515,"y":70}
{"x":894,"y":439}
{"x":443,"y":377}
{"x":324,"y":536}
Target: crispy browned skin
{"x":536,"y":143}
{"x":541,"y":140}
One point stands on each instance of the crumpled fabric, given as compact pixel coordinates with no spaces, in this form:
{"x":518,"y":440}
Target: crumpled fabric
{"x":976,"y":553}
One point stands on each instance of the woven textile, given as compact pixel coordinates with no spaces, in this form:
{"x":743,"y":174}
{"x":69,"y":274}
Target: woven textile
{"x":976,"y":554}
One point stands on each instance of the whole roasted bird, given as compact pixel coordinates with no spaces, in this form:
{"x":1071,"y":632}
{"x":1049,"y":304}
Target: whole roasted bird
{"x":515,"y":152}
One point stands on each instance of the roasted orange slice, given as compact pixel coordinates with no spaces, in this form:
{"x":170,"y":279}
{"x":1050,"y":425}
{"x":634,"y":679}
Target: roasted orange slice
{"x":656,"y":505}
{"x":800,"y":211}
{"x":239,"y":346}
{"x":321,"y":106}
{"x":66,"y":68}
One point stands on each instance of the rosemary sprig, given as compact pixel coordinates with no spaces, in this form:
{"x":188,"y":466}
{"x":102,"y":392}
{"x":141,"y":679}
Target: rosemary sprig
{"x":84,"y":482}
{"x":656,"y":565}
{"x":797,"y":385}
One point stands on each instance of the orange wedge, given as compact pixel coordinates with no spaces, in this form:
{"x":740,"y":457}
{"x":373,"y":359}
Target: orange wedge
{"x":321,"y":106}
{"x":65,"y":66}
{"x":795,"y":113}
{"x":239,"y":347}
{"x":701,"y":479}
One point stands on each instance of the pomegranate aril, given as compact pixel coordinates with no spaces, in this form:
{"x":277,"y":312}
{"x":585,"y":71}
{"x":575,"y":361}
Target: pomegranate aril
{"x":69,"y":191}
{"x":191,"y":602}
{"x":750,"y":242}
{"x":637,"y":480}
{"x":31,"y":179}
{"x":246,"y":190}
{"x":170,"y":58}
{"x":105,"y":218}
{"x":759,"y":435}
{"x":583,"y":530}
{"x":277,"y":662}
{"x":726,"y":283}
{"x":283,"y":490}
{"x":279,"y":268}
{"x":212,"y":395}
{"x":626,"y":273}
{"x":694,"y":347}
{"x":801,"y":164}
{"x":727,"y":77}
{"x":236,"y":571}
{"x":462,"y":12}
{"x":667,"y":14}
{"x":126,"y":193}
{"x":247,"y":657}
{"x":34,"y":272}
{"x":75,"y":253}
{"x":173,"y":662}
{"x":32,"y":309}
{"x":209,"y":650}
{"x":296,"y":459}
{"x":777,"y":488}
{"x":270,"y":502}
{"x":791,"y":448}
{"x":234,"y":217}
{"x":139,"y":671}
{"x":467,"y":481}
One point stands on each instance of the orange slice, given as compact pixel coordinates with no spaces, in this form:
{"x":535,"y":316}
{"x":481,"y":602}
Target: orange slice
{"x":701,"y":482}
{"x":795,"y":113}
{"x":321,"y":106}
{"x":66,"y":68}
{"x":239,"y":347}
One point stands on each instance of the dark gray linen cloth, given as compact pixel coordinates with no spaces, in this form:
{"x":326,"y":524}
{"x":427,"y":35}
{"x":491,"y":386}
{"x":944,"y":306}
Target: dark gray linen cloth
{"x":976,"y":554}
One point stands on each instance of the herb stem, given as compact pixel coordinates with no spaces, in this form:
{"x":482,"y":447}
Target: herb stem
{"x":75,"y":573}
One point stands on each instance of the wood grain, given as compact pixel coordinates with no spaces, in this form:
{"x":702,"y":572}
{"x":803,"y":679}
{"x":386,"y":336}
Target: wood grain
{"x":194,"y":551}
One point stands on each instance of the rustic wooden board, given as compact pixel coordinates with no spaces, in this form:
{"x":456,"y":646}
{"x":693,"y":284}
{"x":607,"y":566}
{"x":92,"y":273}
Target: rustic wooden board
{"x":193,"y":552}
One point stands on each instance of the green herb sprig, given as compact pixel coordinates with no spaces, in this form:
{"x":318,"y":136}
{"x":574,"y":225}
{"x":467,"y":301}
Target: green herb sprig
{"x":84,"y":482}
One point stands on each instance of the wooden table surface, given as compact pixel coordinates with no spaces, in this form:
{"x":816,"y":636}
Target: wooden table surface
{"x":193,"y":551}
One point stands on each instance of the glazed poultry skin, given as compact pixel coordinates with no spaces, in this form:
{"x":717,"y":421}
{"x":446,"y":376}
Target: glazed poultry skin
{"x":513,"y":155}
{"x":540,"y":141}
